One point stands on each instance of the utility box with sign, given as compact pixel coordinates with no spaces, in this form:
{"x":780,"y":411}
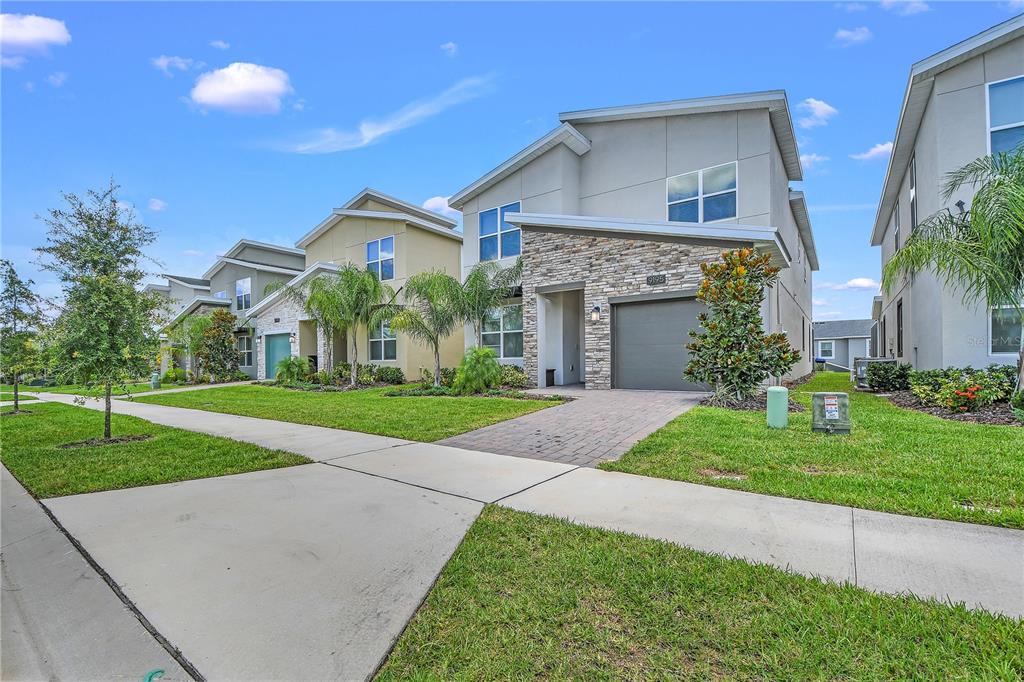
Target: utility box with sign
{"x":830,"y":412}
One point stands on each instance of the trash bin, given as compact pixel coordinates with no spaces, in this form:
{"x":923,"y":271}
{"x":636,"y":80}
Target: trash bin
{"x":154,"y":380}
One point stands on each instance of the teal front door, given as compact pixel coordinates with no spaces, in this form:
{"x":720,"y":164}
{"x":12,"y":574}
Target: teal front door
{"x":278,"y":348}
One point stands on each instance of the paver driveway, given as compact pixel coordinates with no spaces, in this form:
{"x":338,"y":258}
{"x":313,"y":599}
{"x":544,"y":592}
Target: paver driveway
{"x":596,"y":426}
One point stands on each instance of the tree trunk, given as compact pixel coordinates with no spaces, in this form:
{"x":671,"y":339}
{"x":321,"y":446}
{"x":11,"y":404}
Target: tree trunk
{"x":355,"y":361}
{"x":437,"y":366}
{"x":16,"y":391}
{"x":1020,"y":367}
{"x":478,"y":335}
{"x":106,"y":411}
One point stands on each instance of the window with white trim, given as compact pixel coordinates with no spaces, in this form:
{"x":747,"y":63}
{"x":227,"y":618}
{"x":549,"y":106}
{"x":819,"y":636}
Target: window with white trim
{"x":826,"y":350}
{"x":1006,"y":115}
{"x":896,"y":225}
{"x":1005,"y":330}
{"x":703,"y":196}
{"x":499,"y":238}
{"x":383,"y":343}
{"x":503,"y":331}
{"x":244,"y":346}
{"x":913,"y":193}
{"x":243,"y":294}
{"x":380,"y":258}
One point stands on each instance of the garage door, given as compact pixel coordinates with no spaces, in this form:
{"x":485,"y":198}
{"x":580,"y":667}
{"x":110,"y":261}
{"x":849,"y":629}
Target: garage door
{"x":649,"y":344}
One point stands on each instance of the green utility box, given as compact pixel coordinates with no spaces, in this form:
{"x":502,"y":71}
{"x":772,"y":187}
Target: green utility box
{"x":154,"y":380}
{"x":778,"y":407}
{"x":830,"y":412}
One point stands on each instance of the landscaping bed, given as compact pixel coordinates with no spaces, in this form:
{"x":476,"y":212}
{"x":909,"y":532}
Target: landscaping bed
{"x":995,"y":413}
{"x":757,"y":402}
{"x":36,"y":448}
{"x":895,"y":460}
{"x":528,"y":597}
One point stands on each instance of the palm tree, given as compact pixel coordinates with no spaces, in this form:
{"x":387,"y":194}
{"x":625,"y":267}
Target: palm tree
{"x":363,"y":302}
{"x":432,"y":312}
{"x":320,"y":298}
{"x":979,"y":251}
{"x":487,"y":286}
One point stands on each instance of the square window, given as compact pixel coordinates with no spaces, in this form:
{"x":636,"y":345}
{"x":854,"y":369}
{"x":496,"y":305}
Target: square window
{"x":387,"y":247}
{"x":372,"y":251}
{"x":489,"y":222}
{"x":684,"y":212}
{"x":703,"y":196}
{"x":492,"y":341}
{"x":1006,"y":331}
{"x":1006,"y":103}
{"x":508,"y":208}
{"x":1007,"y":139}
{"x":387,"y":269}
{"x":720,"y":207}
{"x":489,"y":248}
{"x":390,"y":349}
{"x":719,"y":179}
{"x":825,"y":349}
{"x":683,"y":187}
{"x":492,"y":323}
{"x":511,"y":243}
{"x":512,"y":318}
{"x":512,"y":345}
{"x":374,"y":267}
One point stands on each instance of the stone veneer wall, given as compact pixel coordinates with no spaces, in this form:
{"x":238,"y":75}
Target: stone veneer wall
{"x":287,"y":313}
{"x":610,"y":267}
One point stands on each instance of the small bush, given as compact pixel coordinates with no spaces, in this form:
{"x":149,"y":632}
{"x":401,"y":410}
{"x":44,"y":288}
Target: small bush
{"x":390,"y":375}
{"x":367,"y":374}
{"x":292,"y":370}
{"x":418,"y":391}
{"x":1017,"y":405}
{"x":240,"y":376}
{"x":478,"y":372}
{"x":341,"y":373}
{"x":963,"y":389}
{"x":447,"y":376}
{"x":175,"y":375}
{"x":888,"y":376}
{"x":513,"y":376}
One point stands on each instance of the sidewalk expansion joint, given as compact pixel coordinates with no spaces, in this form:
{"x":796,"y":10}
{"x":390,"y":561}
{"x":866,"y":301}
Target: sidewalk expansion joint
{"x":546,"y":480}
{"x":398,"y":480}
{"x":853,"y":540}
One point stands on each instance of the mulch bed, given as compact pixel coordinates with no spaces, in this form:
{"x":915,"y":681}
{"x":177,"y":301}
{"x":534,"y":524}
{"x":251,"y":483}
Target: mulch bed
{"x":755,"y":403}
{"x":14,"y":413}
{"x":98,"y":442}
{"x":1000,"y":414}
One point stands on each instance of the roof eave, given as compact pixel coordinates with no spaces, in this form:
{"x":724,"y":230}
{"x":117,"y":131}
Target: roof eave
{"x":402,"y":206}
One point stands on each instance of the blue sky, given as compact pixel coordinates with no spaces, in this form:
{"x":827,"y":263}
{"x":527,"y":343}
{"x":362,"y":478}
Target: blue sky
{"x":232,"y":120}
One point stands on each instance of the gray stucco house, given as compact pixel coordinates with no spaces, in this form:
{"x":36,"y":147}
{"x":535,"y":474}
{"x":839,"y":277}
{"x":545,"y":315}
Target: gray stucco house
{"x":613,"y":212}
{"x":960,"y":104}
{"x":838,"y":342}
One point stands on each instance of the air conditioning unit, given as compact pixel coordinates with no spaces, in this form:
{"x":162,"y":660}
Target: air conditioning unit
{"x":859,"y":373}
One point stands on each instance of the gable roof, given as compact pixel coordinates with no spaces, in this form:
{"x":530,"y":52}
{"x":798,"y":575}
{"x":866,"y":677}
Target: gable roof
{"x":774,"y":101}
{"x":263,"y":267}
{"x":193,"y":282}
{"x":241,"y":244}
{"x":798,"y":205}
{"x":399,"y":206}
{"x":563,"y":134}
{"x":196,"y":302}
{"x":842,"y":329}
{"x":314,"y":269}
{"x":915,"y":100}
{"x":339,"y":214}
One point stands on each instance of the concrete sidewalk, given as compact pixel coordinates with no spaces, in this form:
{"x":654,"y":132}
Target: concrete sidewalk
{"x":183,"y":389}
{"x":61,"y":621}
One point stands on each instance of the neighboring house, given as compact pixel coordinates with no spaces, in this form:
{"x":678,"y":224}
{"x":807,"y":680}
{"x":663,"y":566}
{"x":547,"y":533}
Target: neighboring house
{"x":838,"y":342}
{"x":960,"y":104}
{"x":614,"y":211}
{"x":392,"y":238}
{"x":236,"y":282}
{"x":180,"y":290}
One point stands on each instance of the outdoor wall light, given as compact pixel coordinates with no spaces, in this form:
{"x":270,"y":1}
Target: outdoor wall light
{"x":595,"y":313}
{"x":259,"y":339}
{"x":291,"y":337}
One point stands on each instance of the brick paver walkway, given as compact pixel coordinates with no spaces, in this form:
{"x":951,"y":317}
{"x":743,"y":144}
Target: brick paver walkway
{"x":597,"y":426}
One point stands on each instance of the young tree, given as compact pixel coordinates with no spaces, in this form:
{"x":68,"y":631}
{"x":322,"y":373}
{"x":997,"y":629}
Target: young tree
{"x":106,"y":329}
{"x":431,"y":312}
{"x":20,"y":316}
{"x":217,"y":351}
{"x":363,"y":301}
{"x":321,"y":298}
{"x":733,"y":353}
{"x":188,"y":334}
{"x":979,"y":251}
{"x":486,"y":288}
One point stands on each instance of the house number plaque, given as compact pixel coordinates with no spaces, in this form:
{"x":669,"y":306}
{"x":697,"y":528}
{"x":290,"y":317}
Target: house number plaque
{"x":654,"y":280}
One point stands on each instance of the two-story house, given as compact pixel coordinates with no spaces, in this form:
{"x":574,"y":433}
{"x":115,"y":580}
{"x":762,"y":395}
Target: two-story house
{"x":960,"y":104}
{"x":614,"y":211}
{"x":236,"y":282}
{"x":390,"y":237}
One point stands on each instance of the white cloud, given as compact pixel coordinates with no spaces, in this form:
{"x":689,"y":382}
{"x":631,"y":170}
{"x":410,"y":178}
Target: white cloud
{"x":329,"y":140}
{"x":818,"y":112}
{"x":905,"y":7}
{"x":810,"y":161}
{"x":220,"y":44}
{"x":157,"y":205}
{"x":855,"y":284}
{"x":878,"y":151}
{"x":24,"y":34}
{"x":819,"y":301}
{"x":439,"y":204}
{"x":242,"y":88}
{"x":13,"y":62}
{"x":57,"y":79}
{"x":450,"y":48}
{"x":168,"y":64}
{"x":853,"y":36}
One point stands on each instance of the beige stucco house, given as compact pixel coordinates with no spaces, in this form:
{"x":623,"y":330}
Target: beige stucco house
{"x":960,"y":104}
{"x":612,"y":213}
{"x":391,"y":237}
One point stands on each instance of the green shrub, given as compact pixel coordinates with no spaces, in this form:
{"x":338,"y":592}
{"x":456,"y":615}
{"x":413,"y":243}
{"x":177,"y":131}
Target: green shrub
{"x":888,"y":376}
{"x":341,"y":374}
{"x":963,"y":389}
{"x":390,"y":375}
{"x":447,"y":376}
{"x":1017,"y":405}
{"x":478,"y":372}
{"x":367,"y":374}
{"x":175,"y":375}
{"x":419,"y":391}
{"x":292,"y":370}
{"x":513,"y":376}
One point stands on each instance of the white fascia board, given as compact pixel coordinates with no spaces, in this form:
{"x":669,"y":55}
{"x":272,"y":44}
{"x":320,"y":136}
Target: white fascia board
{"x":915,"y":100}
{"x":322,"y":227}
{"x":201,"y":287}
{"x":316,"y":268}
{"x":563,"y":134}
{"x":775,"y":101}
{"x":187,"y":309}
{"x":224,"y":260}
{"x":798,"y":204}
{"x":342,"y":213}
{"x":838,"y":338}
{"x":242,"y":243}
{"x":766,"y":238}
{"x":156,"y":287}
{"x":401,"y":206}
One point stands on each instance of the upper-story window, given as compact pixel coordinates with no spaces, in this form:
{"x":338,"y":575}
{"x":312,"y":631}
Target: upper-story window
{"x":498,"y":238}
{"x":243,"y":294}
{"x":1006,"y":114}
{"x":703,"y":196}
{"x":896,"y":225}
{"x":913,"y":193}
{"x":380,"y":258}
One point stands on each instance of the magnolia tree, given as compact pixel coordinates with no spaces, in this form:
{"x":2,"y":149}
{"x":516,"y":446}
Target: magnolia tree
{"x":217,"y":352}
{"x":105,"y":331}
{"x":20,"y":316}
{"x":732,"y":352}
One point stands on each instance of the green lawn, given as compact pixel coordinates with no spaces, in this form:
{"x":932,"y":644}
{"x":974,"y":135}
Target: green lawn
{"x":895,"y":460}
{"x":21,"y":396}
{"x":97,"y":391}
{"x":423,"y":419}
{"x":30,"y":449}
{"x":529,"y":597}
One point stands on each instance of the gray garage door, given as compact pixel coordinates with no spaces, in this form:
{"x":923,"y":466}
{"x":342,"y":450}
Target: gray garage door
{"x":649,"y":344}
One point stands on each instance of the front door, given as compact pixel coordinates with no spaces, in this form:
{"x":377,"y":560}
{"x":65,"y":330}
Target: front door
{"x":278,"y":347}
